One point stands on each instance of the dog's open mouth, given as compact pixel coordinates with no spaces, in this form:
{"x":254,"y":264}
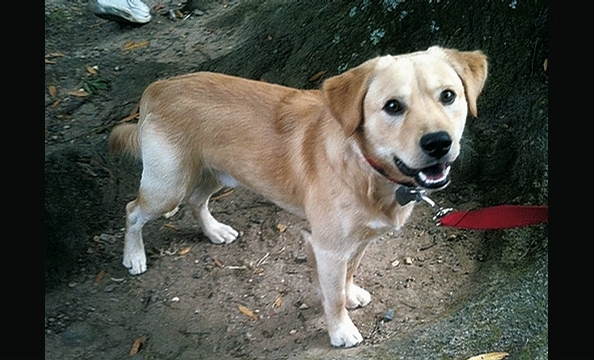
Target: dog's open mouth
{"x":432,"y":177}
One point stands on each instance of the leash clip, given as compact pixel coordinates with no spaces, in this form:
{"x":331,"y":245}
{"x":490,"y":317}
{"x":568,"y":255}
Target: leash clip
{"x":405,"y":195}
{"x":441,"y":212}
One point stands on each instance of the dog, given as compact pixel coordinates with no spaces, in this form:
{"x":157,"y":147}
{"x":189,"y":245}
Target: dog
{"x":335,"y":156}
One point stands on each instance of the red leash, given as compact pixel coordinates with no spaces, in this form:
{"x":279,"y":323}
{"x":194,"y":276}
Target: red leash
{"x":497,"y":217}
{"x":490,"y":218}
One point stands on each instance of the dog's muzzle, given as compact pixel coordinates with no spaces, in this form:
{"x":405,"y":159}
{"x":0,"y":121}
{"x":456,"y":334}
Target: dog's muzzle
{"x":435,"y":146}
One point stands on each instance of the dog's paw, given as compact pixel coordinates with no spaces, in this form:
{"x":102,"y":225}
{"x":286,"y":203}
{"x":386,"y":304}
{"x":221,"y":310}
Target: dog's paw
{"x":219,"y":233}
{"x":357,"y":297}
{"x":345,"y":334}
{"x":136,"y":263}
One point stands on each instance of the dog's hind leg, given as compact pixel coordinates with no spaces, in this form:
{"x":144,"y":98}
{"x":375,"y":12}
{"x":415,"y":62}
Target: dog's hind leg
{"x":217,"y":232}
{"x":163,"y":186}
{"x":149,"y":205}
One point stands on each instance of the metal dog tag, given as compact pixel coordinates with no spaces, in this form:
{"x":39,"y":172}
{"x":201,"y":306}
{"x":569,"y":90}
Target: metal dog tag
{"x":405,"y":194}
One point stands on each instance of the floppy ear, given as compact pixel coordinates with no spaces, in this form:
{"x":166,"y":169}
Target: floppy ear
{"x":344,"y":95}
{"x":471,"y":66}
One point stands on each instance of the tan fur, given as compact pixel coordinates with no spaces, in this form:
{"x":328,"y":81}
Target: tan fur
{"x":304,"y":150}
{"x":124,"y":139}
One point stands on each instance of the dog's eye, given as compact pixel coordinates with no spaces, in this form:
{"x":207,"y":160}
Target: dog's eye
{"x":394,"y":107}
{"x":447,"y":97}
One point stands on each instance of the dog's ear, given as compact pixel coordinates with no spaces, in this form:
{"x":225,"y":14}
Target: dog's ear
{"x":344,"y":95}
{"x":471,"y":66}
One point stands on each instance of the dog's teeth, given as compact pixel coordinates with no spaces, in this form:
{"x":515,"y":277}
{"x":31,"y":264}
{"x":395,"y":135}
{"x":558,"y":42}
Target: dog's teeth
{"x":424,"y":178}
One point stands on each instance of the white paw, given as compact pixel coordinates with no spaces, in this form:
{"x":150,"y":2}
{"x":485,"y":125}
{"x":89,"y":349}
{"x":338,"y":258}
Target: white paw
{"x":135,"y":262}
{"x":345,"y":334}
{"x":357,"y":297}
{"x":219,"y":233}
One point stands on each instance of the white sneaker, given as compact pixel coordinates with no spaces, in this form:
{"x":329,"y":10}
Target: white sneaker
{"x":130,"y":10}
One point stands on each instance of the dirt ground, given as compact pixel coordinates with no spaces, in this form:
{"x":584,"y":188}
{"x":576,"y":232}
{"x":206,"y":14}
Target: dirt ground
{"x":251,"y":299}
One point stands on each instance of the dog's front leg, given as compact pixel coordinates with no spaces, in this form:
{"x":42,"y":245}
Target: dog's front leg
{"x":356,"y":296}
{"x":332,"y":272}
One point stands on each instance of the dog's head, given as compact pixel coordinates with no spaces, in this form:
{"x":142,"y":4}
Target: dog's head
{"x":408,"y":112}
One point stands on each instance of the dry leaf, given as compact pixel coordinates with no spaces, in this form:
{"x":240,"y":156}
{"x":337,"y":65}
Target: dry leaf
{"x":546,"y":61}
{"x":171,"y":226}
{"x":131,"y":45}
{"x":98,"y":24}
{"x":135,"y":109}
{"x":281,"y":227}
{"x":490,"y":356}
{"x":57,"y":55}
{"x":317,"y":76}
{"x":130,"y":117}
{"x":52,"y":90}
{"x":137,"y":345}
{"x":217,"y":262}
{"x":100,"y":276}
{"x":225,"y":193}
{"x":91,"y":70}
{"x":56,"y":103}
{"x":247,"y":312}
{"x":278,"y":302}
{"x":170,"y":214}
{"x":184,"y":251}
{"x":78,"y":93}
{"x":49,"y":61}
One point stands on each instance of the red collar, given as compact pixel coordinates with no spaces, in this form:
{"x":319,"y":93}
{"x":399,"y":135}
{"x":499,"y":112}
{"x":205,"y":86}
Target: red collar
{"x":377,"y":168}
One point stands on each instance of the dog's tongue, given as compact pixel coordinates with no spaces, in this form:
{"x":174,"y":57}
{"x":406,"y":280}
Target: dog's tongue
{"x":434,"y":176}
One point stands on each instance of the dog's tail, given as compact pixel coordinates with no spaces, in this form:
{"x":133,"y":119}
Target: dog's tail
{"x":124,"y":139}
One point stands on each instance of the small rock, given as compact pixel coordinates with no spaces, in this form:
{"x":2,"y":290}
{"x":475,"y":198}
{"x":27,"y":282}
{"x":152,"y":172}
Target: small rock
{"x":408,"y":260}
{"x":388,"y":315}
{"x":107,"y":238}
{"x":395,"y":263}
{"x":300,"y":258}
{"x":281,"y":228}
{"x":72,"y":284}
{"x":303,"y":306}
{"x":293,"y":332}
{"x":171,"y":15}
{"x":175,"y":299}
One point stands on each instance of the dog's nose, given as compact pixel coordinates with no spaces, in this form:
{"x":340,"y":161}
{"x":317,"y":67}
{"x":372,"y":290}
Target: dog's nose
{"x":436,"y":144}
